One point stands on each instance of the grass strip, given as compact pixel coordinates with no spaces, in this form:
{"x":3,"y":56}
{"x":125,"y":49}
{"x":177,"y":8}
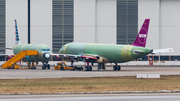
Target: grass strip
{"x":94,"y":84}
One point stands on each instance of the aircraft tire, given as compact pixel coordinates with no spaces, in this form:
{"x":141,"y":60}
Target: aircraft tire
{"x":86,"y":68}
{"x":43,"y":67}
{"x":118,"y":68}
{"x":90,"y":68}
{"x":48,"y":66}
{"x":114,"y":68}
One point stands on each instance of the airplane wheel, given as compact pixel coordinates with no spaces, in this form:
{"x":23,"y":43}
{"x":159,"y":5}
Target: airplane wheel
{"x":48,"y":66}
{"x":114,"y":68}
{"x":90,"y":68}
{"x":44,"y":67}
{"x":118,"y":68}
{"x":86,"y":68}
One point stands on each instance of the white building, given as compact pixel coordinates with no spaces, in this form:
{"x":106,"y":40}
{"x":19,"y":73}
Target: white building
{"x":56,"y":22}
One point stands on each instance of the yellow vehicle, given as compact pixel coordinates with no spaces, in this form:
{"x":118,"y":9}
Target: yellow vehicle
{"x":16,"y":66}
{"x":63,"y":66}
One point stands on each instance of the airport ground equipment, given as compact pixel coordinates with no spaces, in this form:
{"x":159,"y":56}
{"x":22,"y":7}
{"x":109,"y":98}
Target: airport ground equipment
{"x":31,"y":66}
{"x":63,"y":66}
{"x":12,"y":62}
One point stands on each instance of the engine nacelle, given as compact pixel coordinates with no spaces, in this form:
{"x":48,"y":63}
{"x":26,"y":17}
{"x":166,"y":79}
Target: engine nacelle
{"x":101,"y":59}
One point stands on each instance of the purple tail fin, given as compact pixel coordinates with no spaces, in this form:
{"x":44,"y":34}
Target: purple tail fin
{"x":142,"y":36}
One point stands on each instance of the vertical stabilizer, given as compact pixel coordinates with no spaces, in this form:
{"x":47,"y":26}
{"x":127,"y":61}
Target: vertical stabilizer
{"x":142,"y":36}
{"x":16,"y":34}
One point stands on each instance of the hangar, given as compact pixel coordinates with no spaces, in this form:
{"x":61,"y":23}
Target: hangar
{"x":57,"y":22}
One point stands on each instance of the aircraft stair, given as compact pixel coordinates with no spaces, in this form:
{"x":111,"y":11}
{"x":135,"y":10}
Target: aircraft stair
{"x":31,"y":66}
{"x":18,"y":57}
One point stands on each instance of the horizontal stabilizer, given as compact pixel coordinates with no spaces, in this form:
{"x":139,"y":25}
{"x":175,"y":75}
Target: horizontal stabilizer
{"x":155,"y":51}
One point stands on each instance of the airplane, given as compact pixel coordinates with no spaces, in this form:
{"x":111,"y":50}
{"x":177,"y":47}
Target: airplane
{"x":44,"y":51}
{"x":109,"y":53}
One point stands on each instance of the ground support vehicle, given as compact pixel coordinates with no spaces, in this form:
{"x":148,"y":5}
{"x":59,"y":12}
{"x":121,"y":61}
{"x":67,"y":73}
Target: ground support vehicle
{"x":63,"y":66}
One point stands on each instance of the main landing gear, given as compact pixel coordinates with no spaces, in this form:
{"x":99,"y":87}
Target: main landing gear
{"x":88,"y":68}
{"x":116,"y":67}
{"x":45,"y":65}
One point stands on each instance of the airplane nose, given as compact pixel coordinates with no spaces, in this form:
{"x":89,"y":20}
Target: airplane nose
{"x":46,"y":55}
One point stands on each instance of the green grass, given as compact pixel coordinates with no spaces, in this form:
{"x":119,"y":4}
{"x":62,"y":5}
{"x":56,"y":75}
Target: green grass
{"x":96,"y":84}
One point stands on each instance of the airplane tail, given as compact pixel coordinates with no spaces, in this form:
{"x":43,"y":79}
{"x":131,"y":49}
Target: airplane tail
{"x":16,"y":34}
{"x":142,"y":36}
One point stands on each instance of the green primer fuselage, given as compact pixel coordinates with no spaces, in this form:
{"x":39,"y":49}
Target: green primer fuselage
{"x":113,"y":53}
{"x":41,"y":48}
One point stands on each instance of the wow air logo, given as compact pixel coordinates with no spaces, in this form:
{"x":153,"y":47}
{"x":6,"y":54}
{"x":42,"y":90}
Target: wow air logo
{"x":142,"y":36}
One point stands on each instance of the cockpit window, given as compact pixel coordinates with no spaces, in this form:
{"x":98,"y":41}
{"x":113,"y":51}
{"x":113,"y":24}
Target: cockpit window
{"x":45,"y":49}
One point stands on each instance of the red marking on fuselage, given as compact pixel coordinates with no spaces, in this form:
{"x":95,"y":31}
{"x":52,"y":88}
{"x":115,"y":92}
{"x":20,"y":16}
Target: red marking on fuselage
{"x":88,"y":57}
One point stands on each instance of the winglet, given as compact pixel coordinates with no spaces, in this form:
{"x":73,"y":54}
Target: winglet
{"x":16,"y":34}
{"x":142,"y":36}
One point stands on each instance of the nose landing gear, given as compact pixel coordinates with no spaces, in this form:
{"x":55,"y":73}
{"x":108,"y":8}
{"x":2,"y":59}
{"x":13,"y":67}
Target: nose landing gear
{"x":45,"y":65}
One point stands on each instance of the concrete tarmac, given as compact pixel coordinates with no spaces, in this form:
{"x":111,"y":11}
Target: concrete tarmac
{"x":95,"y":97}
{"x":125,"y":71}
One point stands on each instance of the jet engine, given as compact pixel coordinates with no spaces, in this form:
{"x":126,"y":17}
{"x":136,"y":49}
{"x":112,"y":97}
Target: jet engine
{"x":101,"y":59}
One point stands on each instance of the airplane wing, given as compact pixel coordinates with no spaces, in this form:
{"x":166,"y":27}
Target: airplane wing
{"x":155,"y":51}
{"x":66,"y":55}
{"x":85,"y":56}
{"x":1,"y":54}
